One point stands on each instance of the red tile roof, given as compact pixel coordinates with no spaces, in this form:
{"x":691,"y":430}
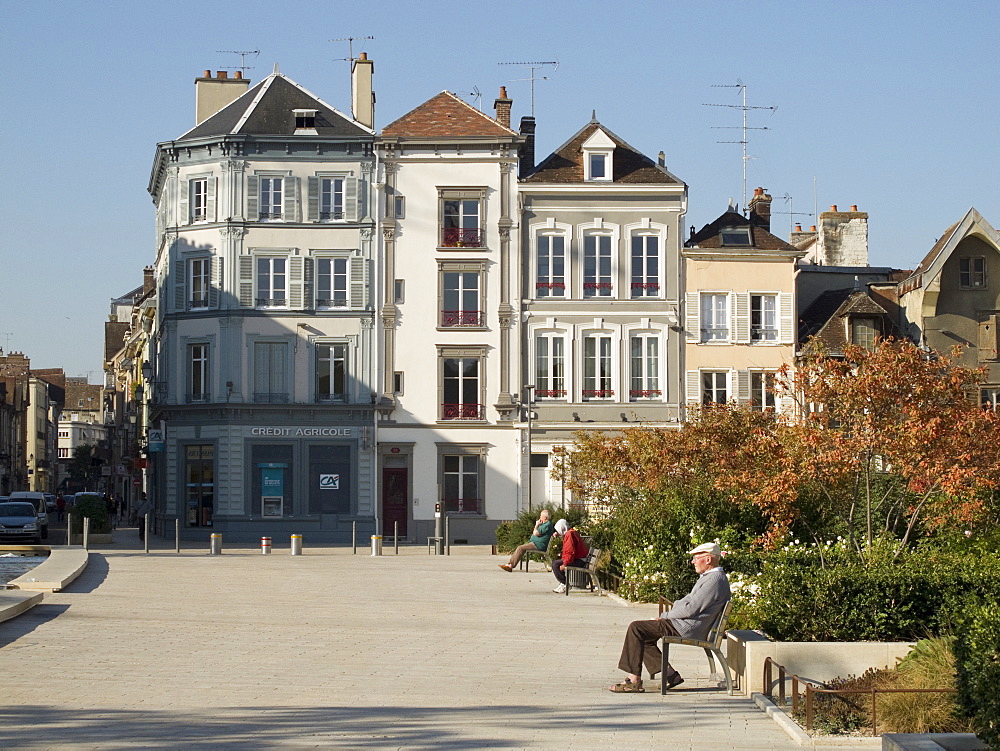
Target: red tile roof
{"x":445,"y":116}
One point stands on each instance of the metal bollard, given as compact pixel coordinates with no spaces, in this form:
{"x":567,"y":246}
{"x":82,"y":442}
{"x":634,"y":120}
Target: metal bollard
{"x":296,"y":544}
{"x":376,"y":544}
{"x":69,"y":528}
{"x":177,"y":534}
{"x":145,"y":536}
{"x":447,"y":535}
{"x":354,"y":538}
{"x":265,"y":545}
{"x":215,"y":546}
{"x":86,"y":533}
{"x":395,"y":535}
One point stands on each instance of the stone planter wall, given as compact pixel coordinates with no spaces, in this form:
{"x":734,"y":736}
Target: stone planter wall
{"x":820,"y":661}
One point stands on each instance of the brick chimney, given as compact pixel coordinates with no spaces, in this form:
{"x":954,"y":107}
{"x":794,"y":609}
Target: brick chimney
{"x":362,"y":95}
{"x":148,"y":280}
{"x":502,"y":107}
{"x":212,"y":94}
{"x":760,"y":209}
{"x":526,"y":153}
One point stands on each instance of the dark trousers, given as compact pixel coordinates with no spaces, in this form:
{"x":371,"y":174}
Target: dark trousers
{"x":640,"y":647}
{"x":557,"y":568}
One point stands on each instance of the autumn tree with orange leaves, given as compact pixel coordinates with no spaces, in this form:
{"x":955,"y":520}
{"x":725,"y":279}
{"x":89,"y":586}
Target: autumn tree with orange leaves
{"x":886,"y":442}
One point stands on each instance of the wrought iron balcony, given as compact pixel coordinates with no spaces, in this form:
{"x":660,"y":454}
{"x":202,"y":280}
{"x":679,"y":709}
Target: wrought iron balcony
{"x":270,"y":398}
{"x":271,"y":302}
{"x":550,"y":393}
{"x":457,"y":237}
{"x":462,"y":318}
{"x":644,"y":393}
{"x":462,"y":411}
{"x":598,"y":393}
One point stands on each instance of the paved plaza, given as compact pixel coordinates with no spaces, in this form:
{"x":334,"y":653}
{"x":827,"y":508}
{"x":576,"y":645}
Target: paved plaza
{"x":336,"y":650}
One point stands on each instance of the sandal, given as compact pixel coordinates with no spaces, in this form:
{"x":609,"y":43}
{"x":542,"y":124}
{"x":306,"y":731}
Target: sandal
{"x":627,"y":687}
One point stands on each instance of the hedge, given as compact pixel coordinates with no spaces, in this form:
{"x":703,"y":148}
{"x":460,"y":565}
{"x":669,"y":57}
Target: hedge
{"x":977,"y":652}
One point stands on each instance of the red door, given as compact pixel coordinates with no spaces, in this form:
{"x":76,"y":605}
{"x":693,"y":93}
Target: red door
{"x":394,"y":500}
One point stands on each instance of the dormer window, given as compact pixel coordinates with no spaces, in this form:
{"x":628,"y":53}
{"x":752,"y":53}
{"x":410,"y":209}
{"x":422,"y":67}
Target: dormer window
{"x":598,"y":151}
{"x":735,"y":236}
{"x":305,"y":122}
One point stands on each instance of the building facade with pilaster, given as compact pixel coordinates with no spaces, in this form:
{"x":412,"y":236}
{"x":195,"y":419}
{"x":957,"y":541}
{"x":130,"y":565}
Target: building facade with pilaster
{"x":263,"y":382}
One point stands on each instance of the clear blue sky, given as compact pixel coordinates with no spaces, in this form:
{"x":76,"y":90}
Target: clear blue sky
{"x":890,"y":105}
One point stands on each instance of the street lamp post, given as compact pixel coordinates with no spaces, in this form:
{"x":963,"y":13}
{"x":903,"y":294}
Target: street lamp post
{"x":531,"y":394}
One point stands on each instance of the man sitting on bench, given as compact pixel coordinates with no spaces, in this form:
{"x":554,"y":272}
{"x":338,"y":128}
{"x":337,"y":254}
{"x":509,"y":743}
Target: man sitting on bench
{"x":690,"y":617}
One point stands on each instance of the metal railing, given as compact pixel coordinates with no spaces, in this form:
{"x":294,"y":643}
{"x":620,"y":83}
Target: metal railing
{"x":458,"y":237}
{"x":461,"y":318}
{"x":462,"y":411}
{"x":812,"y":688}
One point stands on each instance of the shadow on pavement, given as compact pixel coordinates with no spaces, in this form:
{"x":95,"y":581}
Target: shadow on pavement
{"x":24,"y":624}
{"x":503,"y":726}
{"x":92,"y":577}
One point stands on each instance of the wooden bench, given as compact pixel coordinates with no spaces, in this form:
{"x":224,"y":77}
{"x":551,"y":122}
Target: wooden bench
{"x":583,"y":577}
{"x":712,"y":644}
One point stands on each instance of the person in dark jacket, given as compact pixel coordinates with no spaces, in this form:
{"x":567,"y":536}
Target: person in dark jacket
{"x":691,"y":616}
{"x":574,"y":553}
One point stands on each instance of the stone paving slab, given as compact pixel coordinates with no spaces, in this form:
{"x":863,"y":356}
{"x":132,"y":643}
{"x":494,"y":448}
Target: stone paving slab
{"x":334,"y":650}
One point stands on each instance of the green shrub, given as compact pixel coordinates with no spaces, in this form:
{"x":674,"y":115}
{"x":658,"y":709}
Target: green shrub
{"x":95,"y":508}
{"x":800,"y":595}
{"x":977,"y":653}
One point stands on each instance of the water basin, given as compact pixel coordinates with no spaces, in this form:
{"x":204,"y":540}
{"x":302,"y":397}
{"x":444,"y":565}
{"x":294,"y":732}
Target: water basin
{"x":13,"y":565}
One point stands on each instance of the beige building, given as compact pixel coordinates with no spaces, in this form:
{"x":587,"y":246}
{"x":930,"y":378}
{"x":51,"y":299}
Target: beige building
{"x":953,"y":298}
{"x":739,"y":308}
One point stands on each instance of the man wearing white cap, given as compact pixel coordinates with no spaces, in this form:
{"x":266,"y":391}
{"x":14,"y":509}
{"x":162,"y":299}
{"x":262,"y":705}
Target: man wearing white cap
{"x":691,"y":616}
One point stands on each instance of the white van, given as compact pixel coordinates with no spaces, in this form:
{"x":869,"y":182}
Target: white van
{"x":38,"y":499}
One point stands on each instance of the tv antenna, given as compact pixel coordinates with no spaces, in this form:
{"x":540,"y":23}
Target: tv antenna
{"x":7,"y":335}
{"x":533,"y":66}
{"x":477,"y":96}
{"x":791,"y":212}
{"x":743,"y":90}
{"x":350,"y":46}
{"x":243,"y":58}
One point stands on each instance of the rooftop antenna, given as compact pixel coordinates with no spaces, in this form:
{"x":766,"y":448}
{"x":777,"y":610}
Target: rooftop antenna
{"x":8,"y":335}
{"x":350,"y":49}
{"x":533,"y":66}
{"x":477,"y":96}
{"x":791,"y":212}
{"x":743,"y":90}
{"x":243,"y":58}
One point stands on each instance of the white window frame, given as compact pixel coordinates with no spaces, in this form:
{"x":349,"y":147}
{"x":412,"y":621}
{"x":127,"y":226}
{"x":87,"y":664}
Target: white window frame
{"x":599,"y":354}
{"x":989,"y":398}
{"x":199,"y":276}
{"x":759,"y":333}
{"x":639,"y":285}
{"x":331,"y":187}
{"x":593,"y":286}
{"x":468,"y":460}
{"x":551,"y":386}
{"x":464,"y":235}
{"x":462,"y":411}
{"x":273,"y":186}
{"x":198,"y":199}
{"x":331,"y":282}
{"x":713,"y":388}
{"x":198,"y":372}
{"x":551,"y":284}
{"x":710,"y":331}
{"x":762,"y":396}
{"x":648,"y":384}
{"x":271,"y":302}
{"x":330,"y":352}
{"x":854,"y":330}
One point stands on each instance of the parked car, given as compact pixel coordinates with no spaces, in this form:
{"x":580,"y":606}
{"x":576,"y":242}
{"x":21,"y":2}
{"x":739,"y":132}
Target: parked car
{"x":19,"y":522}
{"x":50,"y":502}
{"x":37,"y":499}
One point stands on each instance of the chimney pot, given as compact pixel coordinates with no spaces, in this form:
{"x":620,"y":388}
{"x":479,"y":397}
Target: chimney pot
{"x":208,"y":74}
{"x":222,"y":74}
{"x":812,"y":228}
{"x":362,"y":56}
{"x":833,"y":207}
{"x":502,"y":107}
{"x":798,"y":227}
{"x":854,"y":207}
{"x":661,"y":159}
{"x":239,"y":75}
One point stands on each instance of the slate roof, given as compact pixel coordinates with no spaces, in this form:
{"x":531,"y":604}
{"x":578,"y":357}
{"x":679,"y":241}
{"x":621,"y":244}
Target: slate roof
{"x":445,"y":116}
{"x":629,"y":166}
{"x":114,"y":337}
{"x":823,"y":321}
{"x":710,"y":236}
{"x":938,"y":247}
{"x":266,"y":110}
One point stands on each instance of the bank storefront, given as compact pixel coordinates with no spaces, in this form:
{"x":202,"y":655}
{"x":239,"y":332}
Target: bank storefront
{"x":249,"y":481}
